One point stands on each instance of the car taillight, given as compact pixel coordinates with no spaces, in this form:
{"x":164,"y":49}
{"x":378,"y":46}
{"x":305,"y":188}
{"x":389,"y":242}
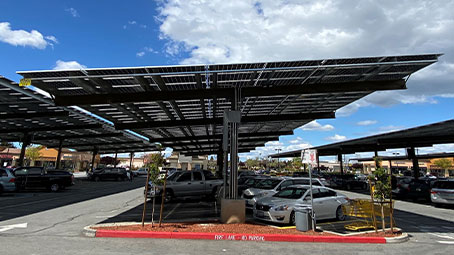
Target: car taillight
{"x":433,"y":192}
{"x":12,"y":180}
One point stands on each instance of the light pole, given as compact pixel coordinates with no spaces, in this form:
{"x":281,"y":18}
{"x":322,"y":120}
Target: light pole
{"x":278,"y":156}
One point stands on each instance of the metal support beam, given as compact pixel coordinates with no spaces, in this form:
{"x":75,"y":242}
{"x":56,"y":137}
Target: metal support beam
{"x":154,"y":96}
{"x":53,"y":128}
{"x":208,"y":121}
{"x":60,"y":146}
{"x":341,"y":164}
{"x":115,"y":160}
{"x":33,"y":115}
{"x":95,"y":151}
{"x":78,"y":136}
{"x":411,"y":155}
{"x":131,"y":158}
{"x":26,"y":140}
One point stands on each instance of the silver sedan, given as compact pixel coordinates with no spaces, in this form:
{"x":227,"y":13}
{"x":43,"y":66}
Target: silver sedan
{"x":280,"y":208}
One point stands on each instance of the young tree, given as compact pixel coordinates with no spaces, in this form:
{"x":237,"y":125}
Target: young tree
{"x":106,"y":160}
{"x":155,"y":160}
{"x":297,"y":164}
{"x":382,"y":188}
{"x":443,"y":163}
{"x":33,"y":153}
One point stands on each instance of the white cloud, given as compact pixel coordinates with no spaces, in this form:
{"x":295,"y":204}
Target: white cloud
{"x":270,"y":148}
{"x":366,"y":122}
{"x":315,"y":126}
{"x":336,"y":138}
{"x":218,"y":31}
{"x":73,"y":12}
{"x":23,"y":38}
{"x":145,"y":50}
{"x":64,"y":65}
{"x":133,"y":22}
{"x":390,"y":128}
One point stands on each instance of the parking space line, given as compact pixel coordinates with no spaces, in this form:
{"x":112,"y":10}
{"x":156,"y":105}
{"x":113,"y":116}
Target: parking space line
{"x":446,"y":242}
{"x":172,"y":211}
{"x":442,"y":236}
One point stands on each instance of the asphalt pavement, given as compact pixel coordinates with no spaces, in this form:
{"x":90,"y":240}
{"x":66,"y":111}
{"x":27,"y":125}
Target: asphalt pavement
{"x":57,"y":229}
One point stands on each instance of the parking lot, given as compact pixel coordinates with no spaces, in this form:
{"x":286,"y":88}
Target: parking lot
{"x":17,"y":204}
{"x":49,"y":217}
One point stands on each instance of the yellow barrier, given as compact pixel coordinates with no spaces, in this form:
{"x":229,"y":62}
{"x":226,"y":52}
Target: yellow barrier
{"x":362,"y":210}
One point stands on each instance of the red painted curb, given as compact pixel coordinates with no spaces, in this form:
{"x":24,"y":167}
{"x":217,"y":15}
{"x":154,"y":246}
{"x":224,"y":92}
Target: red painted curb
{"x":239,"y":237}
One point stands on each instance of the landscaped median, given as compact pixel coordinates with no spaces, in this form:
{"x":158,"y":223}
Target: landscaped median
{"x":235,"y":232}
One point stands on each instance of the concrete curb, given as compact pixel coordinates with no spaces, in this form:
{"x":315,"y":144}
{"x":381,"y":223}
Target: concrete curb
{"x":90,"y":232}
{"x":400,"y":239}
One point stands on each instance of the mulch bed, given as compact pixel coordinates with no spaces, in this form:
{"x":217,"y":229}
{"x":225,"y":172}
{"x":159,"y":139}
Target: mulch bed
{"x":231,"y":228}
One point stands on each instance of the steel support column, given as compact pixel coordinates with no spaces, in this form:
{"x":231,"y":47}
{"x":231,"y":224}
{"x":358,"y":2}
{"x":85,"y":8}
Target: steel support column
{"x":318,"y":162}
{"x":95,"y":151}
{"x":131,"y":158}
{"x":26,"y":140}
{"x":60,"y":146}
{"x":219,"y":164}
{"x":115,"y":160}
{"x":341,"y":164}
{"x":411,"y":155}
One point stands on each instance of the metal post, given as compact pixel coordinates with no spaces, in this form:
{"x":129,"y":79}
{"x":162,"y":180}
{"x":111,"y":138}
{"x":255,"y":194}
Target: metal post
{"x":219,"y":163}
{"x":60,"y":146}
{"x":131,"y":158}
{"x":115,"y":161}
{"x":234,"y":150}
{"x":26,"y":139}
{"x":377,"y":164}
{"x":339,"y":158}
{"x":414,"y":159}
{"x":318,"y":162}
{"x":95,"y":151}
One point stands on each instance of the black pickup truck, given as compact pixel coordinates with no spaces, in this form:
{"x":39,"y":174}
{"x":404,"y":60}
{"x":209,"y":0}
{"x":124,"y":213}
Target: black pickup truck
{"x":38,"y":177}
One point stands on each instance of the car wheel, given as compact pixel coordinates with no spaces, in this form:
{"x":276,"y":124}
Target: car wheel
{"x":54,"y":187}
{"x":96,"y":179}
{"x":118,"y":179}
{"x":292,"y":220}
{"x":340,"y":214}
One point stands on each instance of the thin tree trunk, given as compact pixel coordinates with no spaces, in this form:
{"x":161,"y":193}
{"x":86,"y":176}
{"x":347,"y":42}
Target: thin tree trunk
{"x":162,"y":199}
{"x":145,"y":202}
{"x":383,"y":217}
{"x":152,"y":211}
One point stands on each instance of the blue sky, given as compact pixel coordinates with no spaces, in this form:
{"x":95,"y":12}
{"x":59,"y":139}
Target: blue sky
{"x":57,"y":34}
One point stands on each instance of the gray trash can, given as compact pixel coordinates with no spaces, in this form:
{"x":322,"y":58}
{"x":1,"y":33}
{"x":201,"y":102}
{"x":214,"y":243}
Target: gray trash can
{"x":303,"y":219}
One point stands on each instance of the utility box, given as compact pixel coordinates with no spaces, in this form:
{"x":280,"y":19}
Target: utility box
{"x":233,"y":211}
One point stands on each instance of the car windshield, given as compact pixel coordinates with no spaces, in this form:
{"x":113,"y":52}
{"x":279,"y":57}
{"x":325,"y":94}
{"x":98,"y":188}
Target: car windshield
{"x":267,"y":184}
{"x":291,"y":193}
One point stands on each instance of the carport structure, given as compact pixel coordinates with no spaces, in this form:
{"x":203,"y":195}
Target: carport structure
{"x":30,"y":117}
{"x":409,"y":139}
{"x":211,"y":109}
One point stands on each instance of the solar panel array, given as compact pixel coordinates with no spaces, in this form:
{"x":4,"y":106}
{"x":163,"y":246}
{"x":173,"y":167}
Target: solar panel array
{"x":164,"y":120}
{"x":24,"y":111}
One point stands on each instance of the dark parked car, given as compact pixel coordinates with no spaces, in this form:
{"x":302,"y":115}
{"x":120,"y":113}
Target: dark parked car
{"x":347,"y":181}
{"x":38,"y":177}
{"x":109,"y":173}
{"x":414,"y":189}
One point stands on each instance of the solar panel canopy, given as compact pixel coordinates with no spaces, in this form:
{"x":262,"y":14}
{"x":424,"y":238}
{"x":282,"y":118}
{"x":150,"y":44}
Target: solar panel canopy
{"x":182,"y":106}
{"x":421,"y":136}
{"x":26,"y":112}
